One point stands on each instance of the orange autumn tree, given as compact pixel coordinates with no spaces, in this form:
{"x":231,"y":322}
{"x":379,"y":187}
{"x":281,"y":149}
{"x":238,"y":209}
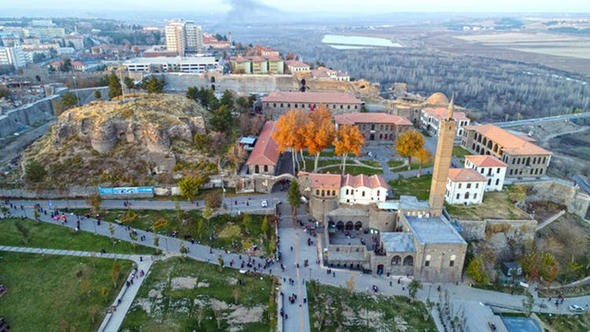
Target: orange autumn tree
{"x":422,"y":155}
{"x":408,"y":144}
{"x":289,"y":133}
{"x":319,"y":132}
{"x":349,"y":139}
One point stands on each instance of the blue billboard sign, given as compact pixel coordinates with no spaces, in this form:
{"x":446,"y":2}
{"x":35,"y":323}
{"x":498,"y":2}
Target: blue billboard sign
{"x":125,"y":190}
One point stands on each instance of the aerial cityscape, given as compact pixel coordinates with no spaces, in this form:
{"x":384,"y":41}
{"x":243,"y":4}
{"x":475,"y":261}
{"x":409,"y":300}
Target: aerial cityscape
{"x":257,"y":165}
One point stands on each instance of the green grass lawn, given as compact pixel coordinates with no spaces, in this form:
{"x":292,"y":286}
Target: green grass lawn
{"x":338,"y":309}
{"x":321,"y":163}
{"x":57,"y":293}
{"x":352,"y":169}
{"x":213,"y":298}
{"x":372,"y":163}
{"x":573,"y":323}
{"x":460,"y":152}
{"x":419,"y":187}
{"x":29,"y":233}
{"x":395,"y":163}
{"x":230,"y":231}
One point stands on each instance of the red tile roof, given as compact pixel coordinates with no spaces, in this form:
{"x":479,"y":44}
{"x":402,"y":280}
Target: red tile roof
{"x":319,"y":180}
{"x":510,"y":143}
{"x":465,"y":175}
{"x":362,"y":180}
{"x":485,"y":161}
{"x":441,"y":113}
{"x":359,"y":117}
{"x":311,"y":97}
{"x":265,"y":151}
{"x":295,"y":63}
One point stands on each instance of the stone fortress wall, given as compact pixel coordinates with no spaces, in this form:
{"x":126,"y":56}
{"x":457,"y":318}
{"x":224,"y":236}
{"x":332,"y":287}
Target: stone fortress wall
{"x":41,"y":111}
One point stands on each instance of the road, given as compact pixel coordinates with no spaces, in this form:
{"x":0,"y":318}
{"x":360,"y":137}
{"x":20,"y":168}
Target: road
{"x":294,"y":236}
{"x":544,"y":119}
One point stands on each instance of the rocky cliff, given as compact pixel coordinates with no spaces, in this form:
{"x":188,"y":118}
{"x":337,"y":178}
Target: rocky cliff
{"x":122,"y":139}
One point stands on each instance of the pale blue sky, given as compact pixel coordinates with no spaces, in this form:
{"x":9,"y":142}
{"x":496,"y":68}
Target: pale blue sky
{"x":315,"y":6}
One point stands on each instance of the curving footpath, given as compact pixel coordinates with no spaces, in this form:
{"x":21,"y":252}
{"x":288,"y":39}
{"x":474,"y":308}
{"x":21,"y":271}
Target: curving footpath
{"x":291,"y":236}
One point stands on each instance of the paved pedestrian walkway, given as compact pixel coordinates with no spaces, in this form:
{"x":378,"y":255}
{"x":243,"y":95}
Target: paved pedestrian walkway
{"x":124,"y":299}
{"x":294,"y":236}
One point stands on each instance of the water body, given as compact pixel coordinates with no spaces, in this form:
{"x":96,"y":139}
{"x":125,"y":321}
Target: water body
{"x":356,"y":42}
{"x":520,"y":324}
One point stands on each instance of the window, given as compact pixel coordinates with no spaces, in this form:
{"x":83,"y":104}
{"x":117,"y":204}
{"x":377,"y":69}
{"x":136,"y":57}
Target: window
{"x":475,"y":196}
{"x":363,"y":193}
{"x":347,"y":191}
{"x":497,"y":182}
{"x":497,"y":170}
{"x":469,"y":186}
{"x":333,"y":192}
{"x":274,"y":104}
{"x":377,"y":192}
{"x":282,"y":105}
{"x":265,"y":168}
{"x":323,"y":192}
{"x":489,"y":182}
{"x":458,"y":195}
{"x":476,"y":185}
{"x":452,"y":261}
{"x":459,"y":186}
{"x":317,"y":192}
{"x":289,"y":105}
{"x":467,"y":195}
{"x":427,"y":260}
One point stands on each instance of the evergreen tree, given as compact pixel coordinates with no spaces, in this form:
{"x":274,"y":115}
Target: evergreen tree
{"x":115,"y":88}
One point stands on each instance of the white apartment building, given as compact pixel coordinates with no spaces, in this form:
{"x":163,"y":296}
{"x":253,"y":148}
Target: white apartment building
{"x":194,"y":37}
{"x":465,"y":186}
{"x":193,"y":64}
{"x":430,"y":120}
{"x":363,"y":189}
{"x":183,"y":36}
{"x":491,"y":167}
{"x":175,"y":37}
{"x":12,"y":56}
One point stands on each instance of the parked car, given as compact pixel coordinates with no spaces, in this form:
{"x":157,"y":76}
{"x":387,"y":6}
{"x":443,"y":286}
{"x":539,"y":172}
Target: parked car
{"x":575,"y":308}
{"x":375,"y":289}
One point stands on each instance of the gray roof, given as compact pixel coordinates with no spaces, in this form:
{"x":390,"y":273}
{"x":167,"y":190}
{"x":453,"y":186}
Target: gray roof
{"x":398,"y":242}
{"x":348,"y":212}
{"x":433,"y":230}
{"x":412,"y":203}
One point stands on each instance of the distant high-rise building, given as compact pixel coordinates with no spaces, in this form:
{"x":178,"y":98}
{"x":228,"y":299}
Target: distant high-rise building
{"x":194,"y":37}
{"x":183,"y":36}
{"x":175,"y":37}
{"x":442,"y":161}
{"x":12,"y":56}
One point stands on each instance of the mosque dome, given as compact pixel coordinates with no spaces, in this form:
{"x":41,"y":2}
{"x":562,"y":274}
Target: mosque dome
{"x":438,"y":98}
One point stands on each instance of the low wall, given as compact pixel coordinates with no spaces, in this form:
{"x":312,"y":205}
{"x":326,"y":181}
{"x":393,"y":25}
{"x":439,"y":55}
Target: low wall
{"x":563,"y":193}
{"x":518,"y":229}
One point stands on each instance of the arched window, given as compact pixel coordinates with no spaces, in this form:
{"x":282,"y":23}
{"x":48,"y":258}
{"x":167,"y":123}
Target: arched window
{"x":408,"y":261}
{"x":396,"y":260}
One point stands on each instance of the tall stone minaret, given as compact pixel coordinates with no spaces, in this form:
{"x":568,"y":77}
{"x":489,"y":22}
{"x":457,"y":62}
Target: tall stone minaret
{"x":442,"y":161}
